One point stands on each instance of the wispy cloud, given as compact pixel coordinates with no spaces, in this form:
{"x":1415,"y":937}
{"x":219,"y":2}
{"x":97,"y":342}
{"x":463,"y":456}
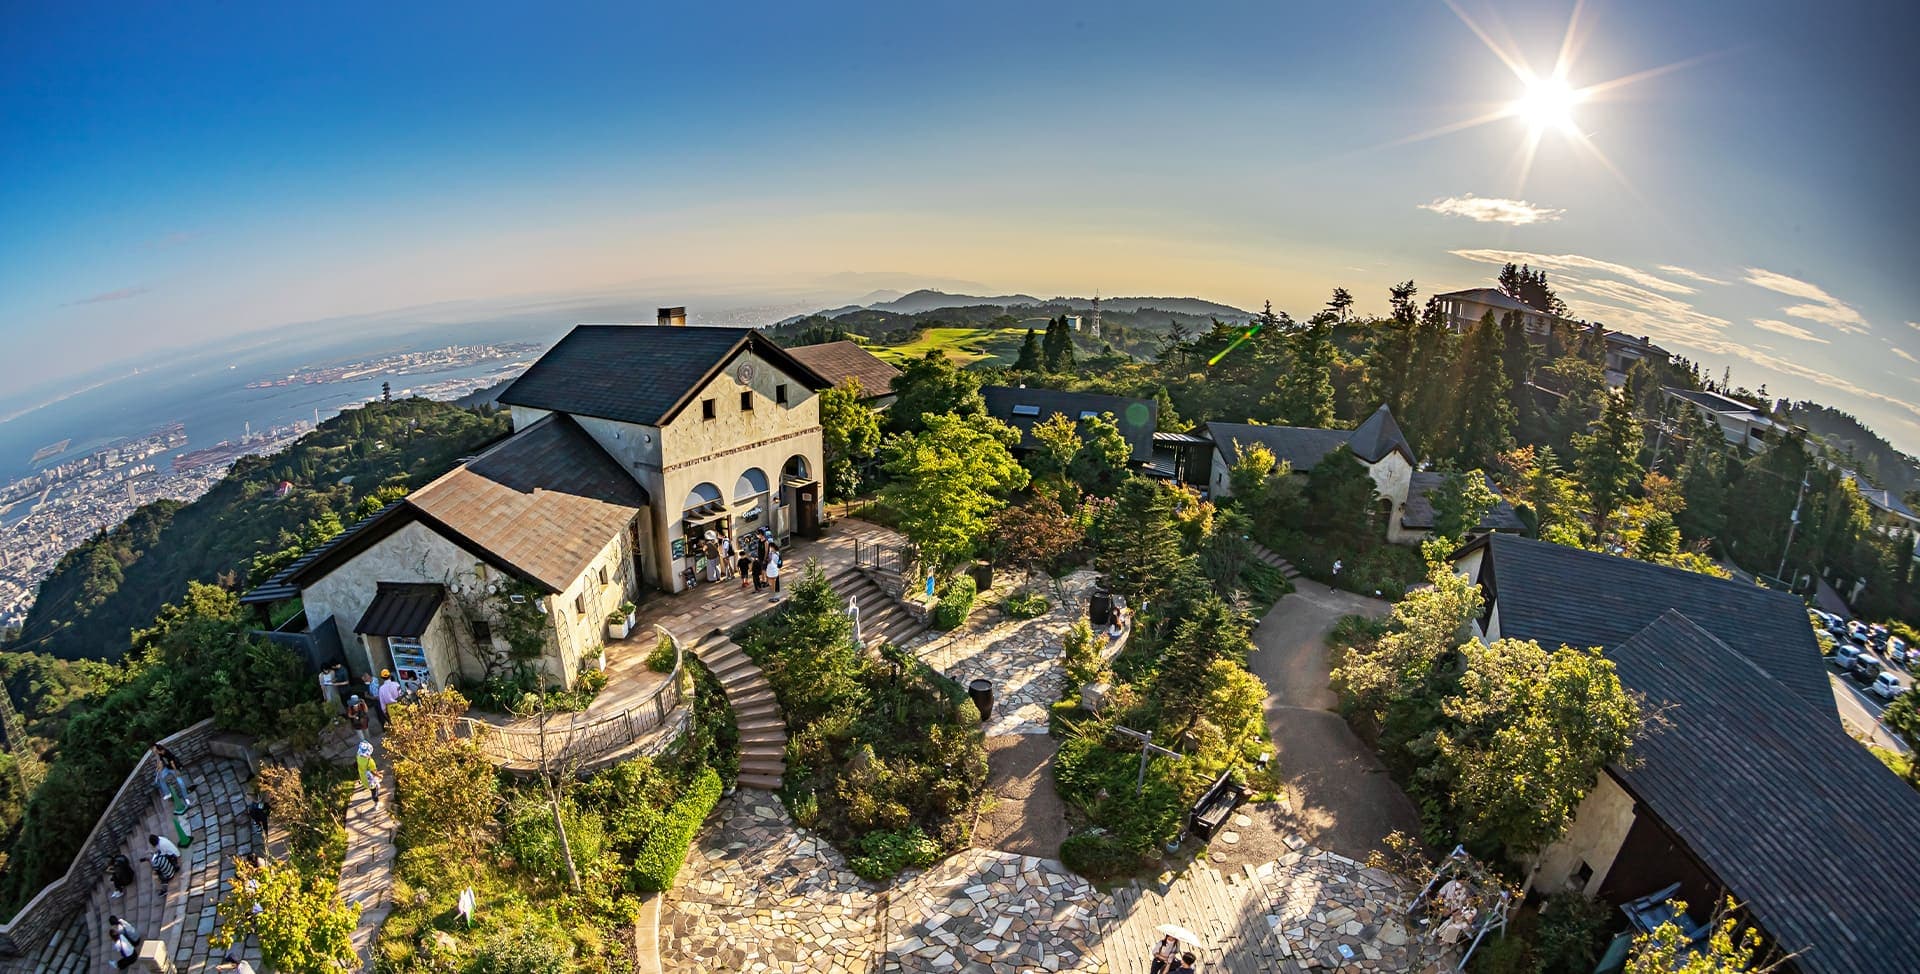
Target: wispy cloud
{"x":1903,"y":353}
{"x":1575,"y":263}
{"x":1779,"y":327}
{"x":120,"y":294}
{"x":1820,"y":307}
{"x":1690,"y":275}
{"x":1493,"y":209}
{"x":1825,"y":380}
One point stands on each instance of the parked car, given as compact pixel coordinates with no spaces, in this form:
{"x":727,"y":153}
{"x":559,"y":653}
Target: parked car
{"x":1866,"y":667}
{"x":1844,"y":655}
{"x":1826,"y":620}
{"x":1886,"y":686}
{"x":1899,"y":652}
{"x":1856,"y":629}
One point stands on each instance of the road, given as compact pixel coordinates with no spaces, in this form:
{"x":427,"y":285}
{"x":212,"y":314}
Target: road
{"x":1860,"y":710}
{"x":1339,"y":796}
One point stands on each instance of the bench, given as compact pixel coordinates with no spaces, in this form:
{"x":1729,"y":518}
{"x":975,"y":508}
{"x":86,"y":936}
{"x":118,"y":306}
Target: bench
{"x":1208,"y":814}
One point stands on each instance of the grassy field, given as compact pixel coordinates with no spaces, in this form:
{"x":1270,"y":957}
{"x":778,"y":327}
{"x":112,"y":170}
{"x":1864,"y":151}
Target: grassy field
{"x":994,"y":346}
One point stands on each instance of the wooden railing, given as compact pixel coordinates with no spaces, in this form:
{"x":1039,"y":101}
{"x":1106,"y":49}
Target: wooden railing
{"x":575,"y":740}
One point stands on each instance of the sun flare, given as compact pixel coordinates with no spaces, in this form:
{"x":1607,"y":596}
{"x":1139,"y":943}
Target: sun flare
{"x":1548,"y":103}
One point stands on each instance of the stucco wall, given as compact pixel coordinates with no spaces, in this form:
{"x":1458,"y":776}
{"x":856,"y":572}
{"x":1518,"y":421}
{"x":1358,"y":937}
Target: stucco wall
{"x":1599,"y":828}
{"x":579,"y":635}
{"x":415,"y":553}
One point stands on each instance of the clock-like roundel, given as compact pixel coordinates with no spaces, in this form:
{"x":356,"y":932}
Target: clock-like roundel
{"x":746,"y":373}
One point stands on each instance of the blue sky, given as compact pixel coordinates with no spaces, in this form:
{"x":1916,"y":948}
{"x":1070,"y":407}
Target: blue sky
{"x":172,"y":174}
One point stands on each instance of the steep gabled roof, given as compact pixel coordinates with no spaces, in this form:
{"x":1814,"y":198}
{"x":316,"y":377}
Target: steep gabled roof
{"x":1299,"y":446}
{"x":642,"y":374}
{"x":1813,"y":836}
{"x":837,"y":362}
{"x":401,"y":609}
{"x":1379,"y":436}
{"x":1023,"y":406}
{"x":1555,"y":595}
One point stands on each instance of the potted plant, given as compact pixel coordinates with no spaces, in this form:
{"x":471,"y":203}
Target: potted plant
{"x":617,"y":625}
{"x":627,"y":609}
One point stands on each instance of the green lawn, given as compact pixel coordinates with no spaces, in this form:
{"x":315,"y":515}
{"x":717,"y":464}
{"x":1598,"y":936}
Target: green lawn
{"x":994,"y":346}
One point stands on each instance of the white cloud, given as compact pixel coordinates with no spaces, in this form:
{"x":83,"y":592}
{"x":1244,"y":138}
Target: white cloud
{"x":1826,"y":381}
{"x":1823,"y":307}
{"x":1493,"y":209}
{"x":1691,"y":275}
{"x":1779,"y":327}
{"x":1903,"y":353}
{"x":1574,"y":263}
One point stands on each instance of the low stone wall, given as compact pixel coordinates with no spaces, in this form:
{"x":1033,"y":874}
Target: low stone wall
{"x":54,"y":905}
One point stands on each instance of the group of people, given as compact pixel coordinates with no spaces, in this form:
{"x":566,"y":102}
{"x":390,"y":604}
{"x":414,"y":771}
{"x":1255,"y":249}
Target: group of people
{"x":1168,"y":958}
{"x":755,"y":560}
{"x":374,"y":695}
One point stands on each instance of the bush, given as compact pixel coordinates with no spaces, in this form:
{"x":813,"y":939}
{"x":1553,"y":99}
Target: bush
{"x":665,"y":851}
{"x":1096,"y":855}
{"x":505,"y":692}
{"x":523,"y":950}
{"x":1027,"y":605}
{"x":885,"y":852}
{"x":534,"y":845}
{"x":1357,"y":630}
{"x":661,"y":659}
{"x":1570,"y":935}
{"x":954,"y":606}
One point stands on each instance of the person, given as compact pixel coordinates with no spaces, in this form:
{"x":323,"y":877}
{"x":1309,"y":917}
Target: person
{"x":165,"y":867}
{"x":164,"y":846}
{"x":728,"y":559}
{"x":357,"y":715}
{"x":125,"y":952}
{"x":326,"y":687}
{"x":171,"y":785}
{"x":260,"y":812}
{"x":120,"y":870}
{"x":1164,"y":954}
{"x":389,"y":694}
{"x":370,"y":692}
{"x":118,"y":928}
{"x":773,"y":568}
{"x":369,"y":772}
{"x":1187,"y":962}
{"x":713,"y":561}
{"x":700,"y":563}
{"x":745,"y":569}
{"x":1336,"y":566}
{"x":340,"y":683}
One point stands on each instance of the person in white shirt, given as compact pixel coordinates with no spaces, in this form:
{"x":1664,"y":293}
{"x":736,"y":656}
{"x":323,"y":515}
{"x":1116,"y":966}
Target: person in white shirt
{"x":389,"y":693}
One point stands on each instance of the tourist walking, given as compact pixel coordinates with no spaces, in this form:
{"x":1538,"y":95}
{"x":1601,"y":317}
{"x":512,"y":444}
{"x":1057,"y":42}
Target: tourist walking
{"x":259,"y":812}
{"x":773,"y":568}
{"x":120,"y":871}
{"x":165,"y":862}
{"x":357,"y":716}
{"x":1166,"y":954}
{"x":172,"y":779}
{"x":369,"y":772}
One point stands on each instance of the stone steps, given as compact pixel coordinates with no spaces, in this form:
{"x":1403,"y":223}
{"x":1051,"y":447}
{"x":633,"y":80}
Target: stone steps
{"x":1266,"y":556}
{"x":756,"y":713}
{"x":882,"y":618}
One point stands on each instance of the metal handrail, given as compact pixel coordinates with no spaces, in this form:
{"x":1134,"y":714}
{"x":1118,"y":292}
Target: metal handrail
{"x":513,"y":746}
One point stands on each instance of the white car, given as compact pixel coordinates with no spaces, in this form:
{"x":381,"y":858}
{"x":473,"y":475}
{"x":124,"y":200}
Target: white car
{"x":1886,"y":686}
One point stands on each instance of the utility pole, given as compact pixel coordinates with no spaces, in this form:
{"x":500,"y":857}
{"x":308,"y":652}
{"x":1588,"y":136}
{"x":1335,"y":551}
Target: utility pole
{"x":1792,"y":524}
{"x":1146,"y":746}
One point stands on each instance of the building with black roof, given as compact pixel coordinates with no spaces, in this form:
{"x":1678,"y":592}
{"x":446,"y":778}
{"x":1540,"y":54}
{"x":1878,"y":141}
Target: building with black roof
{"x":1023,"y":407}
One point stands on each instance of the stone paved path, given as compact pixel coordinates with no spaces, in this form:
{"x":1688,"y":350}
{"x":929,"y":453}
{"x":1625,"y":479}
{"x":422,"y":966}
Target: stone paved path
{"x":366,"y":874}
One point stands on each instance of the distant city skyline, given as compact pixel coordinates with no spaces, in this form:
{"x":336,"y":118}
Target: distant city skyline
{"x":194,"y":173}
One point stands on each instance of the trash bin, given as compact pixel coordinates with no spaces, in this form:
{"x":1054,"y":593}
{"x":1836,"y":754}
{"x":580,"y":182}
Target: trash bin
{"x":982,"y":693}
{"x":982,"y":576}
{"x":1100,"y":607}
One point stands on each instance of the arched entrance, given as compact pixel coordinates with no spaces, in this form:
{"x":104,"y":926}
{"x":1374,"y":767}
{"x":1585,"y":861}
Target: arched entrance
{"x":799,"y":497}
{"x":703,"y":511}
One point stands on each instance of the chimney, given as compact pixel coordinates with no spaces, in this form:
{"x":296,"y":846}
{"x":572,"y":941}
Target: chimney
{"x":677,"y":317}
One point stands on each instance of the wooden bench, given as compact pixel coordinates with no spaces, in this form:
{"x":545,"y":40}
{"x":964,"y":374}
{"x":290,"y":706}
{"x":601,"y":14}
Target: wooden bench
{"x":1208,"y":814}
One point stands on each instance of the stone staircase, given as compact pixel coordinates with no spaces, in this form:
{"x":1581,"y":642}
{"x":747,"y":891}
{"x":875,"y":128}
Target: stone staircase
{"x":1265,"y":556}
{"x":882,"y":618}
{"x":186,"y":916}
{"x":763,"y":729}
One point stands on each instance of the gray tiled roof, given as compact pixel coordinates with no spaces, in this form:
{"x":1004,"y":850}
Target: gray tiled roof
{"x":284,"y":583}
{"x":1300,"y":446}
{"x":1135,"y":417}
{"x":1418,"y":511}
{"x":640,"y":374}
{"x":401,"y":609}
{"x":1555,"y":594}
{"x":1809,"y":832}
{"x":1379,"y":436}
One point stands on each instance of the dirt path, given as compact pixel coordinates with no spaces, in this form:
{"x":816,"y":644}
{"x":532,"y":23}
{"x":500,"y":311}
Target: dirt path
{"x":1028,"y":816}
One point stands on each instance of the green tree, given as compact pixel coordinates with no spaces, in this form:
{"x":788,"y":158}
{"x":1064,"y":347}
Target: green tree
{"x":1247,"y":478}
{"x":1306,"y":386}
{"x":1137,"y":545}
{"x":1525,"y":737}
{"x":444,"y":788}
{"x":303,"y":924}
{"x":1100,"y":464}
{"x":1186,"y":678}
{"x":1057,"y":348}
{"x":1426,"y":625}
{"x":1461,"y":501}
{"x":1031,"y":359}
{"x":1484,"y":419}
{"x":948,"y":479}
{"x":816,"y":663}
{"x":850,"y":436}
{"x":1228,"y":550}
{"x":1431,"y":386}
{"x":1340,"y":495}
{"x":1608,"y":460}
{"x":1341,"y":303}
{"x":1659,"y":539}
{"x":1529,"y":287}
{"x":1703,"y":483}
{"x":933,"y":386}
{"x":1056,"y":441}
{"x":1732,"y":948}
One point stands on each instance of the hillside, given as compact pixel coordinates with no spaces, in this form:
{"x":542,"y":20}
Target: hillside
{"x":115,"y":580}
{"x":1873,"y":455}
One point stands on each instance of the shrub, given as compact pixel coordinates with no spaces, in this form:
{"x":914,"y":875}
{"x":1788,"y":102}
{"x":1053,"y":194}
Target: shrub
{"x":523,"y":950}
{"x":954,"y":606}
{"x":505,"y":692}
{"x":1357,"y":630}
{"x":1569,"y":937}
{"x":534,"y":845}
{"x":1027,"y":605}
{"x":1097,"y":856}
{"x":665,"y":851}
{"x":661,"y":659}
{"x":887,"y":851}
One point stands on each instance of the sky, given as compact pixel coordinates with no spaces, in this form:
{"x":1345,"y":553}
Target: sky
{"x":178,"y":174}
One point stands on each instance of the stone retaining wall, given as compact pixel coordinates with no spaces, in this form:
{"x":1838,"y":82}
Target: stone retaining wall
{"x":54,"y":905}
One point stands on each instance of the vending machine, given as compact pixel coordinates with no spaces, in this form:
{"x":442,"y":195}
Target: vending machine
{"x":410,"y":667}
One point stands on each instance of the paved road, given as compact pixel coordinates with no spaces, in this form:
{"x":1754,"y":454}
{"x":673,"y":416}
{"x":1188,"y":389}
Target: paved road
{"x":1860,"y":711}
{"x":1341,"y":798}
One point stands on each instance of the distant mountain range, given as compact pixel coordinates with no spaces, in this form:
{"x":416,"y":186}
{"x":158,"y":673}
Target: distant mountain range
{"x":924,"y":300}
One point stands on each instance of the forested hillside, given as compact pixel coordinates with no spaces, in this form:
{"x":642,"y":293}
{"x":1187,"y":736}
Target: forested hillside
{"x":112,"y":583}
{"x":1872,"y":455}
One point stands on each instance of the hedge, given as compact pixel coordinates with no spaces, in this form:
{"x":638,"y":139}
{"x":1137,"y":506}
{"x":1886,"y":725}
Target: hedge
{"x":665,"y":851}
{"x":953,"y":607}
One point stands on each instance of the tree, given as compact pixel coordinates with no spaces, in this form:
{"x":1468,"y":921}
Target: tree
{"x":1731,"y":949}
{"x":444,"y":789}
{"x":1057,"y":348}
{"x":1608,"y":460}
{"x":1460,"y":503}
{"x":1228,"y":549}
{"x":303,"y":924}
{"x":1483,"y":422}
{"x":1306,"y":386}
{"x":1138,"y":547}
{"x":1427,"y":625}
{"x":816,"y":662}
{"x":1341,"y":302}
{"x":1247,"y":478}
{"x":1431,"y":387}
{"x":947,"y":480}
{"x":1703,"y":484}
{"x":1056,"y":441}
{"x":1034,"y":535}
{"x":1340,"y":495}
{"x":1529,"y":287}
{"x":932,"y":386}
{"x":1659,"y":539}
{"x":1524,"y":739}
{"x":1186,"y":678}
{"x":1030,"y":359}
{"x":1400,"y":299}
{"x":1533,"y":478}
{"x":1101,"y":462}
{"x":850,"y":436}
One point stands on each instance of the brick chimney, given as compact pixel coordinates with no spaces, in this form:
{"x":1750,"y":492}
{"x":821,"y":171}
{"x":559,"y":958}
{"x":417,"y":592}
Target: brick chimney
{"x":677,"y":317}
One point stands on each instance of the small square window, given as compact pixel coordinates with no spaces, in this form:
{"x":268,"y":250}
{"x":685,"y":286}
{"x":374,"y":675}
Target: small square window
{"x":706,"y":409}
{"x":780,"y":393}
{"x":603,"y":574}
{"x":580,"y":604}
{"x":746,"y":401}
{"x":482,"y":633}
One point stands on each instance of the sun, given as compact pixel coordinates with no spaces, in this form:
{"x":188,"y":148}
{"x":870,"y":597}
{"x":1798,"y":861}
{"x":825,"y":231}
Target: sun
{"x":1547,"y":103}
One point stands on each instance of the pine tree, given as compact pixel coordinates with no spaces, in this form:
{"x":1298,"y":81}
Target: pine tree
{"x":1483,"y":422}
{"x":1057,"y":348}
{"x":1138,"y":547}
{"x":1430,"y":383}
{"x":1341,"y":303}
{"x":1608,"y":460}
{"x":1030,"y":359}
{"x":1306,"y":387}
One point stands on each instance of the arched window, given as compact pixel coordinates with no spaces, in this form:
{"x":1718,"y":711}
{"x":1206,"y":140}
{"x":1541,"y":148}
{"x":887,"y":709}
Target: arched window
{"x":752,"y":484}
{"x":797,"y":468}
{"x":701,"y":496}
